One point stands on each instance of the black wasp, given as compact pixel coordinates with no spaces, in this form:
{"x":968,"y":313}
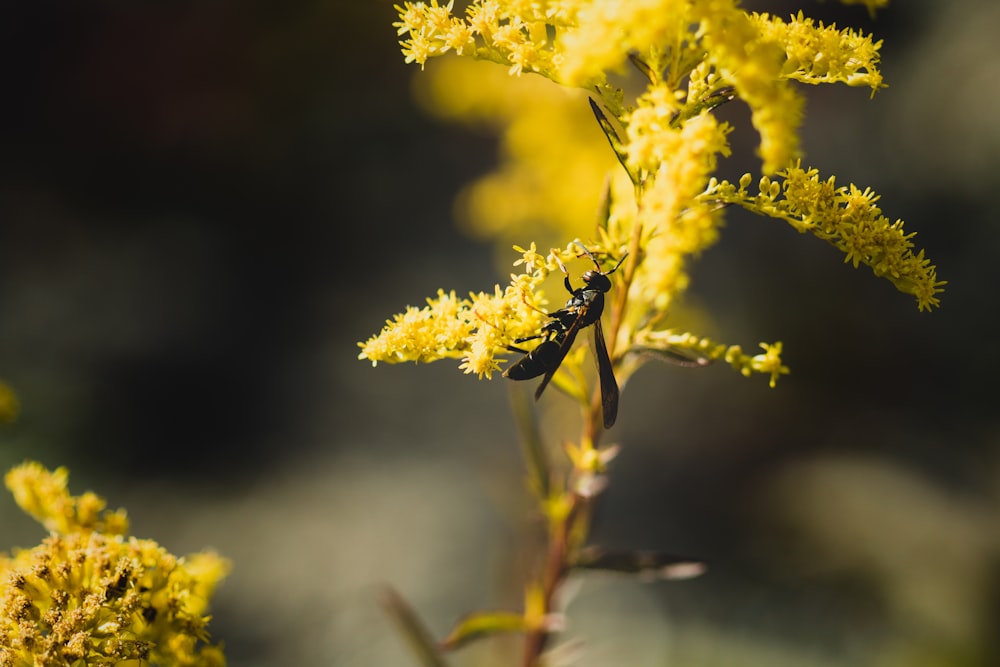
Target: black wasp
{"x":585,"y":306}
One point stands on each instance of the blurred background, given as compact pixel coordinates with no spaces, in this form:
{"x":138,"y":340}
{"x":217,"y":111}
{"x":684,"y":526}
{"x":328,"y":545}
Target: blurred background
{"x":204,"y":206}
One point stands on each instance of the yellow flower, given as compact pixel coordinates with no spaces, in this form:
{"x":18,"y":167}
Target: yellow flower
{"x":90,"y":595}
{"x":769,"y":362}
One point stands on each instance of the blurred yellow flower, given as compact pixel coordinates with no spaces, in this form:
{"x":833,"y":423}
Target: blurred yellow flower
{"x":10,"y":407}
{"x":89,"y":595}
{"x":553,"y":159}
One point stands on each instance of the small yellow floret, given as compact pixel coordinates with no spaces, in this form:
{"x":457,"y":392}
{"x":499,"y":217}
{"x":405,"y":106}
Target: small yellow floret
{"x":769,"y":362}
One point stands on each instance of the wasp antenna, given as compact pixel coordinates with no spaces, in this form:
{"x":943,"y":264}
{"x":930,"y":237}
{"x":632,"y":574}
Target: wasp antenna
{"x":524,"y":299}
{"x":586,"y":251}
{"x":562,"y":267}
{"x":482,"y":319}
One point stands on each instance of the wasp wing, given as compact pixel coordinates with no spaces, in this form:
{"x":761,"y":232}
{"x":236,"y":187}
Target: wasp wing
{"x":565,"y":344}
{"x":606,"y":373}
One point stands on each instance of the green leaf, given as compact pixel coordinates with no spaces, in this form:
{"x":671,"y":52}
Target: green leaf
{"x":482,"y":624}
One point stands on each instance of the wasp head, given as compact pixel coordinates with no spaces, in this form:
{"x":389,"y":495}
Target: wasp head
{"x":597,"y":280}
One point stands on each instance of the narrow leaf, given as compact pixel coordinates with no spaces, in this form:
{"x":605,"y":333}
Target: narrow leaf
{"x":482,"y":624}
{"x":616,"y":143}
{"x":643,"y":67}
{"x":675,"y":356}
{"x":412,"y":628}
{"x":604,"y":206}
{"x":709,"y":103}
{"x":648,"y":565}
{"x":535,"y":456}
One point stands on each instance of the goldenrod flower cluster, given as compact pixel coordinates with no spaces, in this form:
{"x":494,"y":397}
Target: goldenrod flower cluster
{"x":90,"y":595}
{"x":662,"y":205}
{"x":473,"y":329}
{"x":846,"y":217}
{"x":579,"y":42}
{"x":823,"y":54}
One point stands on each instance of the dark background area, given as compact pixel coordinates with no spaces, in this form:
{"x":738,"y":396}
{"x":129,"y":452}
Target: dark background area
{"x":204,"y":206}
